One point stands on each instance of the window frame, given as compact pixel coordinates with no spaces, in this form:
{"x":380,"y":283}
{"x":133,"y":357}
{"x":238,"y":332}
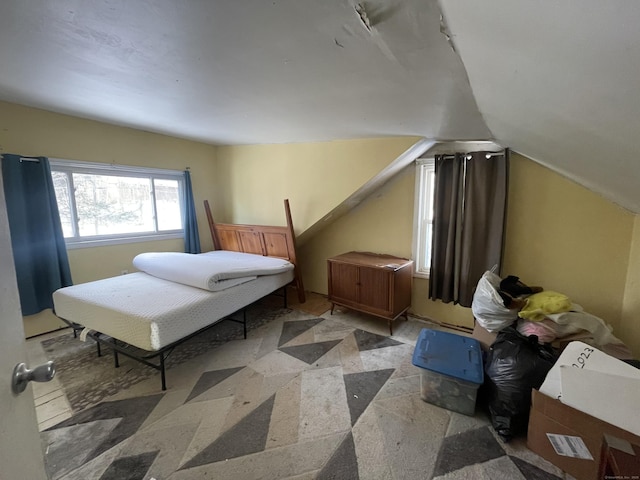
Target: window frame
{"x":70,"y":167}
{"x":423,"y":214}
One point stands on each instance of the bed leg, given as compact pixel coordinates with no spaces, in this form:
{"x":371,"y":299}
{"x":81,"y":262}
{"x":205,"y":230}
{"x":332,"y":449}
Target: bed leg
{"x":285,"y":296}
{"x":98,"y":347}
{"x":115,"y":354}
{"x":244,"y":322}
{"x":162,"y":373}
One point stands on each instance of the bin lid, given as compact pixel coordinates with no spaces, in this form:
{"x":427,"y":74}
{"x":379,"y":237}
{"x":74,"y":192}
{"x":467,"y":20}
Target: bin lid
{"x":449,"y":354}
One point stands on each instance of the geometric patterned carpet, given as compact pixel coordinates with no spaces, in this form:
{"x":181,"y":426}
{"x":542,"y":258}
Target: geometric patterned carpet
{"x":78,"y":365}
{"x":303,"y":397}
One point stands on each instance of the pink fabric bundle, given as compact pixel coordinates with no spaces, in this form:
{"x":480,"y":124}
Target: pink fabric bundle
{"x":543,"y":330}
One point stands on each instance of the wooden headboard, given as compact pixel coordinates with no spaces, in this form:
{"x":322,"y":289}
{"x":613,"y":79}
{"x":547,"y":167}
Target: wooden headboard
{"x":268,"y":240}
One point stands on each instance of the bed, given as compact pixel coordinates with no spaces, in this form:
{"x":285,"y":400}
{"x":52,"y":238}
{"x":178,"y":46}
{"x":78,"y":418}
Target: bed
{"x":146,"y":314}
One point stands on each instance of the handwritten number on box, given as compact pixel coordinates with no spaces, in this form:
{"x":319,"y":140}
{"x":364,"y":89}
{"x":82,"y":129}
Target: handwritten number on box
{"x":581,"y":360}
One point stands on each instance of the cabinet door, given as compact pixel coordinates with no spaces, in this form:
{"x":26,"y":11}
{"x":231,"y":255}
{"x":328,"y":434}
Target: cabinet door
{"x":374,"y":288}
{"x":343,"y":282}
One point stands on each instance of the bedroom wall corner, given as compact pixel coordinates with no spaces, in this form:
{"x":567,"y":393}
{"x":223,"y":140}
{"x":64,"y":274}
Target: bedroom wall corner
{"x":566,"y":238}
{"x":382,"y":223}
{"x":315,"y":177}
{"x":630,"y":325}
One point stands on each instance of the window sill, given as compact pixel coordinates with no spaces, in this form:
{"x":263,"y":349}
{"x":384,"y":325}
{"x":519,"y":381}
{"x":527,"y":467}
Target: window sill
{"x":103,"y":242}
{"x":424,"y":275}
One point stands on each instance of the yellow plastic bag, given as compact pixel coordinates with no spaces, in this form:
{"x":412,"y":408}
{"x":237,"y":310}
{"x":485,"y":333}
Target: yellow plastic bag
{"x":539,"y":305}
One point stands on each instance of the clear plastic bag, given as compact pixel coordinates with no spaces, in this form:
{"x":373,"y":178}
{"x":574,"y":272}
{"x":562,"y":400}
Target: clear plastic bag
{"x":488,"y":306}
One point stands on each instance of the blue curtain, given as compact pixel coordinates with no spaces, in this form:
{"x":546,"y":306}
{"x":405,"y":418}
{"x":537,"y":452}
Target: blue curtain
{"x":191,"y":236}
{"x":39,"y":251}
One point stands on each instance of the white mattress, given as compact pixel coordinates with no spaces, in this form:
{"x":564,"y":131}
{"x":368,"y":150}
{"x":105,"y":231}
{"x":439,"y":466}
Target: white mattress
{"x":149,"y":312}
{"x":213,"y":271}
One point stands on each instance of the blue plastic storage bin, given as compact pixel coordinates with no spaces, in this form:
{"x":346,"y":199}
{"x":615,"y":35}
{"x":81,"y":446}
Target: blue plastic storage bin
{"x":451,"y":367}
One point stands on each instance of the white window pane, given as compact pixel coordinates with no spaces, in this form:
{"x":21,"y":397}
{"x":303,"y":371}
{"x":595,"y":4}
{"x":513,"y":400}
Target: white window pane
{"x":423,"y":216}
{"x":62,"y":189}
{"x":109,"y":205}
{"x":430,"y":189}
{"x":426,"y":266}
{"x":168,"y":204}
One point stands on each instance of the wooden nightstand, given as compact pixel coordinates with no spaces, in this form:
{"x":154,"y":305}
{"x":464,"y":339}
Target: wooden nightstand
{"x":372,"y":283}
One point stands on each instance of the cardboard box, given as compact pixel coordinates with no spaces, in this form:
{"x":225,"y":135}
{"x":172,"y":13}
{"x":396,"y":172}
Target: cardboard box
{"x":593,"y":382}
{"x":620,"y":459}
{"x":485,"y":337}
{"x":552,"y":421}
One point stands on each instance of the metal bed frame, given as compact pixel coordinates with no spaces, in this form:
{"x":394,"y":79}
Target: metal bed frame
{"x":124,"y":348}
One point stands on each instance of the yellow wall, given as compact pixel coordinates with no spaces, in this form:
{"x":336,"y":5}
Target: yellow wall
{"x":315,"y":177}
{"x":566,"y":238}
{"x":630,"y":325}
{"x":383,"y":223}
{"x":29,"y":131}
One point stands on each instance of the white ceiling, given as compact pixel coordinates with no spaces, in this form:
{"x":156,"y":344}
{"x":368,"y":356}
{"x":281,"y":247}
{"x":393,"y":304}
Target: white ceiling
{"x":559,"y":82}
{"x":552,"y":80}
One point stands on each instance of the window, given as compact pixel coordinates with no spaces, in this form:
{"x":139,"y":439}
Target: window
{"x":423,"y":215}
{"x":105,"y":204}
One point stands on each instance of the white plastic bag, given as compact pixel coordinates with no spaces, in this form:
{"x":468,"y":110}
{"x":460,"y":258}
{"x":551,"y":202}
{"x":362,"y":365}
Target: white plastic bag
{"x":488,"y":307}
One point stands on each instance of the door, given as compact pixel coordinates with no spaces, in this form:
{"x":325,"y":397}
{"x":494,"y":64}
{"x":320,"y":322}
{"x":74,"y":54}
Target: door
{"x":374,"y":289}
{"x":20,"y":449}
{"x":343,"y":283}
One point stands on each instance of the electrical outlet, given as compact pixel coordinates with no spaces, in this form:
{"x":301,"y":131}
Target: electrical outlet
{"x":124,"y":272}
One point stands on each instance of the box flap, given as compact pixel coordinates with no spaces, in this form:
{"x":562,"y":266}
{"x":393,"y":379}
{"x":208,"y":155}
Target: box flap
{"x":585,"y":357}
{"x":612,"y":398}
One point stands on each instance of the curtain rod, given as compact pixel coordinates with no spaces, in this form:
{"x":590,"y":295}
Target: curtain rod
{"x":468,"y":155}
{"x":25,"y":159}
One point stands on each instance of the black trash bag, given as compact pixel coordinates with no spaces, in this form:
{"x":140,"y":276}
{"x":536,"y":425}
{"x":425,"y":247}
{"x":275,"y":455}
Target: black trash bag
{"x":514,"y":365}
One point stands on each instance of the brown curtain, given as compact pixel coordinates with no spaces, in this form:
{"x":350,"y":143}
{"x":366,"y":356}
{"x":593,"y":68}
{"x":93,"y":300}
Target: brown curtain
{"x":468,"y":227}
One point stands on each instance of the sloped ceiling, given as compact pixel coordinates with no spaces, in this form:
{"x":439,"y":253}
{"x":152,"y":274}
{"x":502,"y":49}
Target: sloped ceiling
{"x":240,"y":72}
{"x":552,"y":80}
{"x":558,"y":81}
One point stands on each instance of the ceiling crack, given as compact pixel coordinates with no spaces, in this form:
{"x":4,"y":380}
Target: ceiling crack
{"x":444,"y":29}
{"x":364,"y":18}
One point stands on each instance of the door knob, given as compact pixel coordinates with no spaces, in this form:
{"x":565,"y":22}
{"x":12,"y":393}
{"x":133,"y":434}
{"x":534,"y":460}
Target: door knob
{"x":22,"y":375}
